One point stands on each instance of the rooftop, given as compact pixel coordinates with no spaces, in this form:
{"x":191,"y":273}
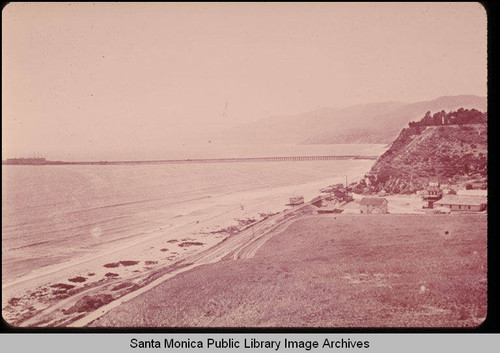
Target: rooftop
{"x":463,"y":200}
{"x":472,"y":192}
{"x":377,"y":201}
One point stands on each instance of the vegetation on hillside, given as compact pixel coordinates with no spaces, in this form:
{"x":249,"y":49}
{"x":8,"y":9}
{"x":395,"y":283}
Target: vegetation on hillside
{"x":460,"y":117}
{"x":447,"y":147}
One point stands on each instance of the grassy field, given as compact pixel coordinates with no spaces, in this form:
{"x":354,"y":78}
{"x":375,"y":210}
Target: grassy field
{"x":333,"y":271}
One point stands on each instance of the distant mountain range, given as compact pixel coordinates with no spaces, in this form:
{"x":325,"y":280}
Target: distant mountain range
{"x":365,"y":123}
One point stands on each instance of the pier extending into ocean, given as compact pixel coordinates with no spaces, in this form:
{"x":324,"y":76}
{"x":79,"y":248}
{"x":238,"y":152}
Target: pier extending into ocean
{"x":22,"y":161}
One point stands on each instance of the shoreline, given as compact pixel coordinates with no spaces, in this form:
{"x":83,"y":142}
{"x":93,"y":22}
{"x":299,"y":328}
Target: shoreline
{"x":127,"y":287}
{"x":75,"y":293}
{"x":290,"y":282}
{"x":137,"y":262}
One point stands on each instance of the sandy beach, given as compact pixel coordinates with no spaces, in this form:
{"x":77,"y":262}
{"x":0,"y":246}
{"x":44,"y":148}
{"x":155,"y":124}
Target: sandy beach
{"x":207,"y":231}
{"x":342,"y":270}
{"x":65,"y":293}
{"x":233,"y":223}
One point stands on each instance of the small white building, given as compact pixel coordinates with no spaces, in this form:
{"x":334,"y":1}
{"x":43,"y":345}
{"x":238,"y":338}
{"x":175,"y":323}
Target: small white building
{"x":463,"y":203}
{"x":369,"y":205}
{"x":296,"y":200}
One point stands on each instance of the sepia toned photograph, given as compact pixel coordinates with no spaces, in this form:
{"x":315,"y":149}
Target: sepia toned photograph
{"x":244,"y":165}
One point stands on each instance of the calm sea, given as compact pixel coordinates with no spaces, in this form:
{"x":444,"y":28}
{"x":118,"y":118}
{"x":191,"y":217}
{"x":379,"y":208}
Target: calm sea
{"x":54,"y":213}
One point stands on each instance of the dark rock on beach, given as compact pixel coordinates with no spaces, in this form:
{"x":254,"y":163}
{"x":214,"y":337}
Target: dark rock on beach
{"x":90,"y":303}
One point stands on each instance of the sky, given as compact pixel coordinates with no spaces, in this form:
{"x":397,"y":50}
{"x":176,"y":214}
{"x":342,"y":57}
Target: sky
{"x":95,"y":81}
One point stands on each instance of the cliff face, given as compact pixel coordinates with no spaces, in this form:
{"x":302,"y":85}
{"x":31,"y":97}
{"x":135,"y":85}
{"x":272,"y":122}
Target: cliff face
{"x":446,"y":153}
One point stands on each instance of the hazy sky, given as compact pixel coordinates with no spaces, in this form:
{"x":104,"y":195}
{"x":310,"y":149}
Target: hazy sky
{"x":105,"y":81}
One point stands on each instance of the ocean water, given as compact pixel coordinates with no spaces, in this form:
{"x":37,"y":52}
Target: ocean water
{"x":54,"y":213}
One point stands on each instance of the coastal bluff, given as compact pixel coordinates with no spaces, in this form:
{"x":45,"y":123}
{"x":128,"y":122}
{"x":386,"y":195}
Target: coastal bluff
{"x":447,"y":147}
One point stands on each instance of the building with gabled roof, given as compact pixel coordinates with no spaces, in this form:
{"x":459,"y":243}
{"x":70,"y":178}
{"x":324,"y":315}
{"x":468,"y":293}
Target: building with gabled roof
{"x":369,"y":205}
{"x":463,"y":203}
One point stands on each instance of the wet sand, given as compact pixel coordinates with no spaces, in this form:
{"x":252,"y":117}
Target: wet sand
{"x":347,"y":270}
{"x":58,"y":295}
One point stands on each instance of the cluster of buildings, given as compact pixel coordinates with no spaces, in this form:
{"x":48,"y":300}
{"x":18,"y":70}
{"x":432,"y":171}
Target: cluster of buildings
{"x":433,"y":197}
{"x":336,"y":196}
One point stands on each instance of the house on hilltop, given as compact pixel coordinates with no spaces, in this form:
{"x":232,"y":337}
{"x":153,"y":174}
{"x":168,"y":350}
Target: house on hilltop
{"x":463,"y":203}
{"x":373,"y":205}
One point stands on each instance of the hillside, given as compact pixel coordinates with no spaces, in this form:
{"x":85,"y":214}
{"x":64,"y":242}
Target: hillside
{"x":425,"y":151}
{"x":384,"y":128}
{"x":366,"y":123}
{"x":295,"y":128}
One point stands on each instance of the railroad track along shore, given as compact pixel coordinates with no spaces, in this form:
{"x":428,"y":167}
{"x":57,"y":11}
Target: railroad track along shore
{"x":242,"y":245}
